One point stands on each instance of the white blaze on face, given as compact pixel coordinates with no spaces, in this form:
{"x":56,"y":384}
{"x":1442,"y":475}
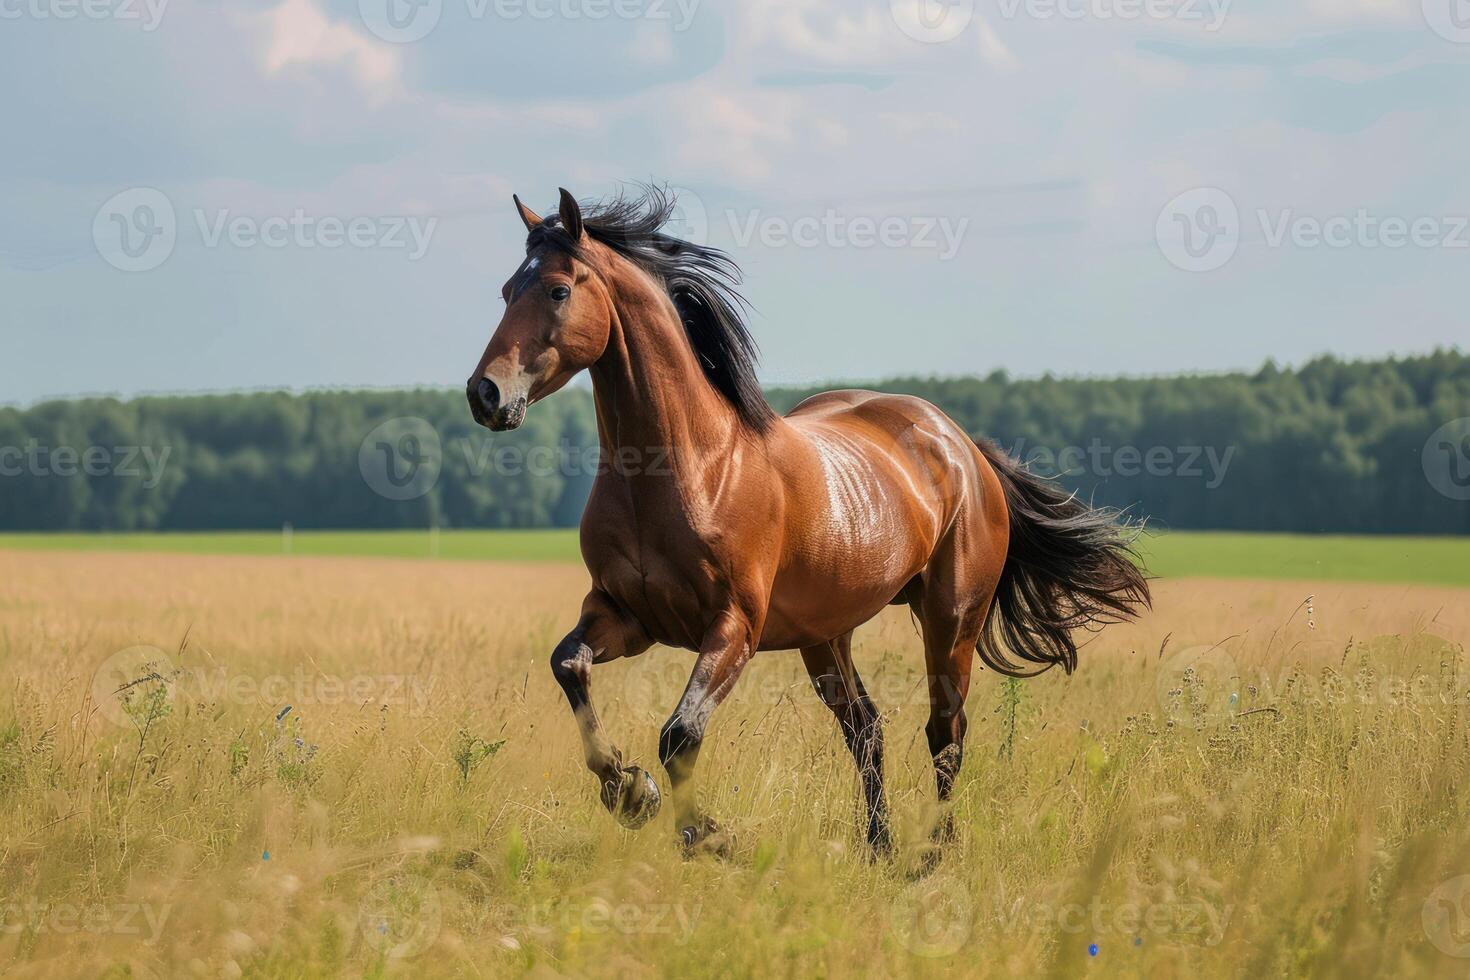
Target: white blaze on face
{"x":510,"y":379}
{"x":508,"y":374}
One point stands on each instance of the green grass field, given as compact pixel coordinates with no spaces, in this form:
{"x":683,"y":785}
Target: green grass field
{"x":267,"y":768}
{"x":1295,"y":557}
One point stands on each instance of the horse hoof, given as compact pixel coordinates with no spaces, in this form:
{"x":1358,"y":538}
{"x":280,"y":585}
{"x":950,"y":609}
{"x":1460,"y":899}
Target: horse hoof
{"x":639,"y":800}
{"x":706,"y":837}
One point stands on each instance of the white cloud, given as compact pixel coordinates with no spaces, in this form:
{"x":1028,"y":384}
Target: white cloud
{"x":824,"y":31}
{"x":652,"y":44}
{"x":1018,"y":123}
{"x":734,"y":137}
{"x":298,"y":34}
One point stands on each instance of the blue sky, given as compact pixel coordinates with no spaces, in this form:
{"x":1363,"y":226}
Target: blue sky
{"x":211,"y":194}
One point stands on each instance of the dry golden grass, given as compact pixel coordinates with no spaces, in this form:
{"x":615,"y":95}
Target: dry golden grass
{"x":1274,"y":789}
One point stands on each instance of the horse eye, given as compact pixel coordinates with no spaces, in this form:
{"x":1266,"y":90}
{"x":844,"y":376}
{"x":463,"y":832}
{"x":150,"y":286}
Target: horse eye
{"x":560,"y":293}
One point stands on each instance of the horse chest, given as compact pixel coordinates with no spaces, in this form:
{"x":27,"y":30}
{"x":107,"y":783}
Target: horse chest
{"x":665,"y":582}
{"x":660,"y":560}
{"x":673,"y":604}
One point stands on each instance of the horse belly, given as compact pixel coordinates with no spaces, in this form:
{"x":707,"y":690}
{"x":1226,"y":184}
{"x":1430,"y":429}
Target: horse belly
{"x":867,"y":520}
{"x":830,"y":594}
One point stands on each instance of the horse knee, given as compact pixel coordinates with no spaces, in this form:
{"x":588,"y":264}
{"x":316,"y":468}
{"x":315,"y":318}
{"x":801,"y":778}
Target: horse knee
{"x":571,"y":665}
{"x":678,"y":740}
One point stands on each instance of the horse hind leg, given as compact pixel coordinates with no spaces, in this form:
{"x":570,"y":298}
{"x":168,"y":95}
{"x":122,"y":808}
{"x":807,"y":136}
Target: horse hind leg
{"x":837,"y":683}
{"x":951,"y":614}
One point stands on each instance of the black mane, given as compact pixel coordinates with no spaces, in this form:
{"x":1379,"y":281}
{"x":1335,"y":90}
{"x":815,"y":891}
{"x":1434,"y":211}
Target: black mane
{"x":699,"y":279}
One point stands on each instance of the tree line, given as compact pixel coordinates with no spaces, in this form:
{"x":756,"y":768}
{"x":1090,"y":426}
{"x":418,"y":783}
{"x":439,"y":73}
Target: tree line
{"x":1342,"y":446}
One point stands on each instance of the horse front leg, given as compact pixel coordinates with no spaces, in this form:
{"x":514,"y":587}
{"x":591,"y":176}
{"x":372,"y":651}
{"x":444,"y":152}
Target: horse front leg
{"x":727,"y":648}
{"x":603,"y":634}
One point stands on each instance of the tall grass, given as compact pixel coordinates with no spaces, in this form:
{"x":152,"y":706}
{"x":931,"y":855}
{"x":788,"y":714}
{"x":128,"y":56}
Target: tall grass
{"x":331,"y":767}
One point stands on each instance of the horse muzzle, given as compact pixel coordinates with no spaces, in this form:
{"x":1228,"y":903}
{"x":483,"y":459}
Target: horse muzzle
{"x":491,"y":410}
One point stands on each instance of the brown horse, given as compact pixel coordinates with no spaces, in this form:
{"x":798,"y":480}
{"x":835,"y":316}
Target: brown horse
{"x":718,"y":526}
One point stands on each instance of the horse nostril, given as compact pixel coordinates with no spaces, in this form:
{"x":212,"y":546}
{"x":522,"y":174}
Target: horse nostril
{"x":488,"y":394}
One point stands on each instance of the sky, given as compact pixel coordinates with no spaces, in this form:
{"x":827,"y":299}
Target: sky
{"x":223,"y":194}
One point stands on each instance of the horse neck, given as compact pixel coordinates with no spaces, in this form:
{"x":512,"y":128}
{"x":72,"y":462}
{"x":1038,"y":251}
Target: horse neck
{"x":652,"y":396}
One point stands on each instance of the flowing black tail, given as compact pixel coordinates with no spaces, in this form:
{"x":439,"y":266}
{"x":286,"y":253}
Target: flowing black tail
{"x":1070,"y":566}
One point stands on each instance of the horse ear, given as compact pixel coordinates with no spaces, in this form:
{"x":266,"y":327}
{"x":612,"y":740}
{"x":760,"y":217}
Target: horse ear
{"x":529,"y":217}
{"x":571,"y":214}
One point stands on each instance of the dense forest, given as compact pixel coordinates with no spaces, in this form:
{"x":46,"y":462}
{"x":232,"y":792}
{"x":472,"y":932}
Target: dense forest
{"x":1366,"y":446}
